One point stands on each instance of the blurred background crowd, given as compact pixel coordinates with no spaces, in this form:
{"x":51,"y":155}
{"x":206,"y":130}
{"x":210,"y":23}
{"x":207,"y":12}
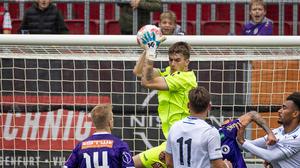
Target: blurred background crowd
{"x":127,"y":16}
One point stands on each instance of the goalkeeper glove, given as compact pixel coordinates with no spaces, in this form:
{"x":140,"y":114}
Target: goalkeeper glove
{"x":150,"y":44}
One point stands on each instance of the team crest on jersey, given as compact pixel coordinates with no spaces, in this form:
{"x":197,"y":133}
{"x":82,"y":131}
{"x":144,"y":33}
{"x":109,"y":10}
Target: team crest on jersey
{"x":126,"y":157}
{"x":157,"y":165}
{"x":162,"y":156}
{"x":225,"y":149}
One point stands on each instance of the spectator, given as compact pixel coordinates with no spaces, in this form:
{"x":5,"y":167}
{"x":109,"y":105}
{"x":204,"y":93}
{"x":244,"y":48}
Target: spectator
{"x":168,"y":25}
{"x":43,"y":18}
{"x":109,"y":150}
{"x":259,"y":23}
{"x":5,"y":21}
{"x":143,"y":7}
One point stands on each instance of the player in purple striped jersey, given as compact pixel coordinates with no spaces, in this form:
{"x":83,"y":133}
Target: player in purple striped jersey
{"x":102,"y":149}
{"x":228,"y":133}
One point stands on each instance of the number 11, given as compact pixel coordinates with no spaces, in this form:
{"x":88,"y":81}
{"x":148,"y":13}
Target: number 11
{"x":188,"y":142}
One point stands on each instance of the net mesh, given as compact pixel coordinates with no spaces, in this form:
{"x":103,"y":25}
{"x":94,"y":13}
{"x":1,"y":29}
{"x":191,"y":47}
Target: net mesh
{"x":47,"y":91}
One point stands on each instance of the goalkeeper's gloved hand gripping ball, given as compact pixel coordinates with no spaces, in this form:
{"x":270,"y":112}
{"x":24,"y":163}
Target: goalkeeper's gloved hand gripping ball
{"x":149,"y":38}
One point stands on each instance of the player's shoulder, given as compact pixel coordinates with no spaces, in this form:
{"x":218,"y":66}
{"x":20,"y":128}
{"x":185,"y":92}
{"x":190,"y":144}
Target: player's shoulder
{"x":278,"y":131}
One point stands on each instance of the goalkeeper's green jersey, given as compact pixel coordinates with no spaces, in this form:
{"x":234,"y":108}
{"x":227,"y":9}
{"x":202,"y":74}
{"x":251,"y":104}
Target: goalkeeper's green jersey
{"x":173,"y":103}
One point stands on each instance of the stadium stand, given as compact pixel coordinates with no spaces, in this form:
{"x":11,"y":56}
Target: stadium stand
{"x":191,"y":8}
{"x":112,"y":27}
{"x":16,"y":23}
{"x":78,"y":11}
{"x":220,"y":28}
{"x":63,"y":8}
{"x":288,"y":29}
{"x":76,"y":26}
{"x":223,"y":12}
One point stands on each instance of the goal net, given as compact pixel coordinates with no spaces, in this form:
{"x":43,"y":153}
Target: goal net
{"x":48,"y":84}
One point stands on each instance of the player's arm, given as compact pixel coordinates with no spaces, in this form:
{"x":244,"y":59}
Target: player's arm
{"x":150,"y":78}
{"x":219,"y":163}
{"x":214,"y":149}
{"x":257,"y":118}
{"x":266,"y":154}
{"x":72,"y":161}
{"x":169,"y":160}
{"x":127,"y":160}
{"x":168,"y":151}
{"x":138,"y":68}
{"x":276,"y":153}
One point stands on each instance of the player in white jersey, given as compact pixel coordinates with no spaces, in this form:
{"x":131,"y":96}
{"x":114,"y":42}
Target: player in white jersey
{"x":286,"y":152}
{"x":192,"y":142}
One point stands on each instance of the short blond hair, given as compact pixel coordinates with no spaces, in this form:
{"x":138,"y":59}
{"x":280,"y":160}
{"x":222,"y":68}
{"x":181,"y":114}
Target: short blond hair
{"x":257,"y":2}
{"x":168,"y":15}
{"x":101,"y":115}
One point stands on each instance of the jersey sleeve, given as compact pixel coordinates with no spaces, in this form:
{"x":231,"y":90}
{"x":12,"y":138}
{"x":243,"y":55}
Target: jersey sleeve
{"x":127,"y":161}
{"x":214,"y":144}
{"x":73,"y":159}
{"x":169,"y":146}
{"x":290,"y":146}
{"x":279,"y":151}
{"x":179,"y":81}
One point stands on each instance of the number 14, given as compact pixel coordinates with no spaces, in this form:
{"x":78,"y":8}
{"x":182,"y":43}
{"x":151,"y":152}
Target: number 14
{"x":96,"y":160}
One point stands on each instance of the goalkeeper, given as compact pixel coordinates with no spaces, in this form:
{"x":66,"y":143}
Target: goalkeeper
{"x":173,"y":84}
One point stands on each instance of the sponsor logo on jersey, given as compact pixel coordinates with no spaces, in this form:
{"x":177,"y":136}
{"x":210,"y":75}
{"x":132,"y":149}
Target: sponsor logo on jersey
{"x":225,"y":149}
{"x":97,"y":144}
{"x":126,"y":157}
{"x":230,"y":127}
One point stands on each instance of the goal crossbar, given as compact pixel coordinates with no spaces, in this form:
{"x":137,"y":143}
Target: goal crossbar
{"x":130,"y":40}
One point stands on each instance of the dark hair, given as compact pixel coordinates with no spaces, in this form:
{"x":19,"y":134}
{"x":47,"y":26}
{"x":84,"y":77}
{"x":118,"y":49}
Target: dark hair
{"x":199,"y":99}
{"x":101,"y":115}
{"x":180,"y":48}
{"x":295,"y":97}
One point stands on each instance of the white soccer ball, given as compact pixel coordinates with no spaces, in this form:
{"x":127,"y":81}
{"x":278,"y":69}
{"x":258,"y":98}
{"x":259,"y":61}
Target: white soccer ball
{"x":150,"y":29}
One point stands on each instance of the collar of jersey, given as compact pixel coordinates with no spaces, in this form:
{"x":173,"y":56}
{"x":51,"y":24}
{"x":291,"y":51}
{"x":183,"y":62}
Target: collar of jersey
{"x":193,"y":118}
{"x":283,"y":133}
{"x":99,"y":133}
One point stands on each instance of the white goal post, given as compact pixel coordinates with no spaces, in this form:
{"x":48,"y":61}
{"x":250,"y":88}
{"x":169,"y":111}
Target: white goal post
{"x":48,"y":83}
